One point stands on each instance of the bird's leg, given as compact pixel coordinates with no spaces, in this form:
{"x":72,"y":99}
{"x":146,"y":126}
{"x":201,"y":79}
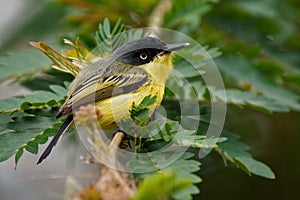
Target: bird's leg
{"x":125,"y":142}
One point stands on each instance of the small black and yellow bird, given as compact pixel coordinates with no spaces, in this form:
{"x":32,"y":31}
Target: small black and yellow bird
{"x":137,"y":69}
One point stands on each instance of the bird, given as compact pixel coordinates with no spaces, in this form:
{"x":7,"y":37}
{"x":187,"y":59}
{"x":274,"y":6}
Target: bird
{"x":136,"y":69}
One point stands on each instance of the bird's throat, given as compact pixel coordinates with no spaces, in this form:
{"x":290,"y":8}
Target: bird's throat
{"x":160,"y":69}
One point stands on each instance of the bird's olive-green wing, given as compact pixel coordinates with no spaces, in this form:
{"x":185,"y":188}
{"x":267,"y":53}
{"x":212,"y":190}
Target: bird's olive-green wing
{"x":98,"y":88}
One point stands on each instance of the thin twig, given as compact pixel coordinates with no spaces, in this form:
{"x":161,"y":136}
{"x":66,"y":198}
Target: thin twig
{"x":157,"y":16}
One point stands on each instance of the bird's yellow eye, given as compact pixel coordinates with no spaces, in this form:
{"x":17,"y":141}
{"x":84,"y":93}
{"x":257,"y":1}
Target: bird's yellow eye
{"x":143,"y":56}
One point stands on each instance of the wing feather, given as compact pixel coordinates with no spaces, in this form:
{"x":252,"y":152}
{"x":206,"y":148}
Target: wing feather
{"x":97,"y":88}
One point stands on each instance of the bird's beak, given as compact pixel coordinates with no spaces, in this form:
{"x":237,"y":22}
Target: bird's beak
{"x":174,"y":47}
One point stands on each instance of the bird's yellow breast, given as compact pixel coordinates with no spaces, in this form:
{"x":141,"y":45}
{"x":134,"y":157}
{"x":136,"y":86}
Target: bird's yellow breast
{"x":117,"y":108}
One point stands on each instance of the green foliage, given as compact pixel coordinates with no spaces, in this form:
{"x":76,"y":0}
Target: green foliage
{"x":26,"y":131}
{"x":141,"y":113}
{"x":192,"y":66}
{"x":29,"y":121}
{"x":109,"y":39}
{"x":235,"y":152}
{"x":257,"y":56}
{"x":160,"y":186}
{"x":156,"y":157}
{"x":259,"y":102}
{"x":180,"y":164}
{"x":241,"y":71}
{"x":39,"y":99}
{"x":105,"y":36}
{"x":254,"y":100}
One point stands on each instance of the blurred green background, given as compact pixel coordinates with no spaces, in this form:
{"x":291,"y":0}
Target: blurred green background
{"x":260,"y":42}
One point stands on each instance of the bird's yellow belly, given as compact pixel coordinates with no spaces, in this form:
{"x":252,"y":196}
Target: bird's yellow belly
{"x":115,"y":109}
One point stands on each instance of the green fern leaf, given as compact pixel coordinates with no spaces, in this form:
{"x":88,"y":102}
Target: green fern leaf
{"x":27,"y":131}
{"x":39,"y":99}
{"x":106,"y":38}
{"x":236,"y":152}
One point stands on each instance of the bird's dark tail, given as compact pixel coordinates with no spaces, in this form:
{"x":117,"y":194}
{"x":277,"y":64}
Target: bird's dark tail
{"x":53,"y":142}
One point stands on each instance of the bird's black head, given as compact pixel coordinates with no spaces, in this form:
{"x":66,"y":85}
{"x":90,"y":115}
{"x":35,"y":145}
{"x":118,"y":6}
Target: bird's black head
{"x":142,"y":51}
